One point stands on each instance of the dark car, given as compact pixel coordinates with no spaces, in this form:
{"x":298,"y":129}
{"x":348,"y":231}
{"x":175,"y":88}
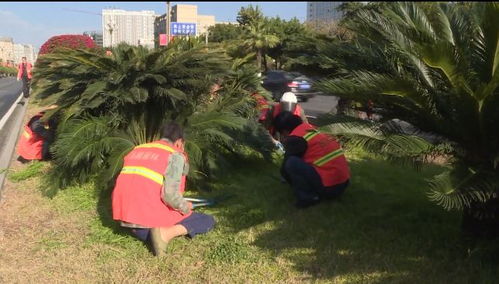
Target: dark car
{"x":278,"y":82}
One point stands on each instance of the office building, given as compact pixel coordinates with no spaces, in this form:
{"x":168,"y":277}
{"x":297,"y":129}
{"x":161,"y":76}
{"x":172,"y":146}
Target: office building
{"x":29,"y":53}
{"x":24,"y":50}
{"x":6,"y":50}
{"x":96,"y":36}
{"x":132,"y":27}
{"x":323,"y":11}
{"x":204,"y":22}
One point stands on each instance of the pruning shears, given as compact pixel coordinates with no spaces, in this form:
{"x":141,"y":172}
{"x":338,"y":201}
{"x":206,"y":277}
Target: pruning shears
{"x":199,"y":202}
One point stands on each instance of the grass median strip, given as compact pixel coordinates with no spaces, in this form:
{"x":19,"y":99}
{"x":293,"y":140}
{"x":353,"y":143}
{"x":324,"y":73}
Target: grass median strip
{"x":383,"y":230}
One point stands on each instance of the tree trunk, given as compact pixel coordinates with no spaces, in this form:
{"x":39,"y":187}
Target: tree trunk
{"x":264,"y":62}
{"x":259,"y":59}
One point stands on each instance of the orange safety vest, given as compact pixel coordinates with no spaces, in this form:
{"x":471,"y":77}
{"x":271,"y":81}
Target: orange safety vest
{"x":324,"y":153}
{"x":277,"y":111}
{"x":137,"y":194}
{"x":30,"y":144}
{"x":262,"y":105}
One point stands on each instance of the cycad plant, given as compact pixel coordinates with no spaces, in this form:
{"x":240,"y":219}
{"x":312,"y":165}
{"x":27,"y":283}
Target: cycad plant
{"x":109,"y":104}
{"x":443,"y":79}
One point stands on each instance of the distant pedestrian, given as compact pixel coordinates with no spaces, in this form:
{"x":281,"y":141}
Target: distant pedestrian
{"x":24,"y":73}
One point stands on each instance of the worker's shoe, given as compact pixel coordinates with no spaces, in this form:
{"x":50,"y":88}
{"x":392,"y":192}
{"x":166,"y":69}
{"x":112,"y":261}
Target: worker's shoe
{"x":158,"y":244}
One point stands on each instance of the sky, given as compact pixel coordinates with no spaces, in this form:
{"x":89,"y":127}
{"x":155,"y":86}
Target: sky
{"x":35,"y":22}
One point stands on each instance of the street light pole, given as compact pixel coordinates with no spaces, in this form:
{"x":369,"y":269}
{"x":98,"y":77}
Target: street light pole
{"x":168,"y":21}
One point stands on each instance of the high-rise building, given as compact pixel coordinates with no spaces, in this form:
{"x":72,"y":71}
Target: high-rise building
{"x":323,"y":11}
{"x":24,"y":50}
{"x":204,"y":22}
{"x":185,"y":13}
{"x":96,"y":36}
{"x":29,"y":53}
{"x":6,"y":50}
{"x":132,"y":27}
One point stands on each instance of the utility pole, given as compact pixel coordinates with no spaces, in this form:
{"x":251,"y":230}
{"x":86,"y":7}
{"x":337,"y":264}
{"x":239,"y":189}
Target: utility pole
{"x":168,"y":21}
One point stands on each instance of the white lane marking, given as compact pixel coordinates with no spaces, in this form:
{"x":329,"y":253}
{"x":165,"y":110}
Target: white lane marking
{"x":9,"y":113}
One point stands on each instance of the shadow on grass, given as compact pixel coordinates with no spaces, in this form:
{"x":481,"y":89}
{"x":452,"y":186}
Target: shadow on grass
{"x":383,"y":229}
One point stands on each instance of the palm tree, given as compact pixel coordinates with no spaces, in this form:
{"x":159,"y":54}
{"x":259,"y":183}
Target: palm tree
{"x":108,"y":105}
{"x":443,"y":79}
{"x":257,"y":38}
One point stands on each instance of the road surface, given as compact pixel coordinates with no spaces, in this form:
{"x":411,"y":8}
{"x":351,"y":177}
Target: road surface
{"x":10,"y":89}
{"x":319,"y":104}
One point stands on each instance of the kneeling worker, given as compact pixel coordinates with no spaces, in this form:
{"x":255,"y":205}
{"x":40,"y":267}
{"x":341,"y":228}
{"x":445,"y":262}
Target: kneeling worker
{"x":314,"y":163}
{"x":37,"y":137}
{"x":148,"y":195}
{"x":288,"y":102}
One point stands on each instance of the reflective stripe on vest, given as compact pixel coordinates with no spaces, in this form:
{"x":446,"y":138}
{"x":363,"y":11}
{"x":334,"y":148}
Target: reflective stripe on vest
{"x":156,"y":145}
{"x":145,"y":172}
{"x":328,"y":157}
{"x":311,"y":135}
{"x":26,"y":134}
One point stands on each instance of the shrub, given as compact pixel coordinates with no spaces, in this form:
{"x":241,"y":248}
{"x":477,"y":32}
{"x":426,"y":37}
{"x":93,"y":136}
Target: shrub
{"x":68,"y":41}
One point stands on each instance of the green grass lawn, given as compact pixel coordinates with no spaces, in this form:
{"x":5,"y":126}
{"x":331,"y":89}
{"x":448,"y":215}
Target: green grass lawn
{"x":383,"y":230}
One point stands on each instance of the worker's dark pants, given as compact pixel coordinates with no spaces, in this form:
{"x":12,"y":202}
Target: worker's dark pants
{"x":26,"y":84}
{"x":46,"y":151}
{"x":306,"y":182}
{"x":197,"y":223}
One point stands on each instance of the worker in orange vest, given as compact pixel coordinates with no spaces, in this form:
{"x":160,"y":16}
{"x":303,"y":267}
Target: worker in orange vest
{"x":36,"y":138}
{"x":314,"y":163}
{"x":288,"y":102}
{"x":148,"y":195}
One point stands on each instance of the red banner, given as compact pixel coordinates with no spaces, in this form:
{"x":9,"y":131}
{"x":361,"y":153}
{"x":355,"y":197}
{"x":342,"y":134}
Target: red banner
{"x":162,"y":39}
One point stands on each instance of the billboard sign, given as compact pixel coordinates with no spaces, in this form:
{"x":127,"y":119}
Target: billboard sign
{"x":182,"y":28}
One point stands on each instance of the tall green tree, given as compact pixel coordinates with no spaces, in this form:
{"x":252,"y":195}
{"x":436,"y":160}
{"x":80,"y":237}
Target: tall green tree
{"x":443,"y":78}
{"x":224,"y":32}
{"x":288,"y":33}
{"x":258,"y":38}
{"x":249,"y":15}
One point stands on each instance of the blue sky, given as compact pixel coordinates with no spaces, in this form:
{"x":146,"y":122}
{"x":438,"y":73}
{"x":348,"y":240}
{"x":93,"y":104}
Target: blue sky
{"x":35,"y":22}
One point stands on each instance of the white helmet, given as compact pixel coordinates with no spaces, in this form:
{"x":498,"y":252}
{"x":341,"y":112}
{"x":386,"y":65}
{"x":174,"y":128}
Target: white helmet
{"x":288,"y":102}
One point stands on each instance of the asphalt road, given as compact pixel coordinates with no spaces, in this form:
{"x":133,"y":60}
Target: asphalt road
{"x":10,"y":89}
{"x":319,"y":104}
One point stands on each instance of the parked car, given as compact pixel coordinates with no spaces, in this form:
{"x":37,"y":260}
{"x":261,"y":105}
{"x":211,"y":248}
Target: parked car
{"x":278,"y":82}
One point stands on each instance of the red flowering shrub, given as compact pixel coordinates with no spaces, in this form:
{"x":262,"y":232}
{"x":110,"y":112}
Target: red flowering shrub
{"x":69,"y":41}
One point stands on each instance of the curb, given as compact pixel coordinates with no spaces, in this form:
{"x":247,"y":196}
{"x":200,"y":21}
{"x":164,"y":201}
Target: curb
{"x":6,"y":117}
{"x":7,"y":153}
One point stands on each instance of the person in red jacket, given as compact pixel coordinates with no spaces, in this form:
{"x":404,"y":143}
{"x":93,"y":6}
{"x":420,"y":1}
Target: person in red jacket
{"x":24,"y":73}
{"x":37,"y":136}
{"x":148,"y":195}
{"x":314,"y":163}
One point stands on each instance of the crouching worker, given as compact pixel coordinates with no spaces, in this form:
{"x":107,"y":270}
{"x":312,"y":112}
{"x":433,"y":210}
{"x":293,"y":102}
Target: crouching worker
{"x":314,"y":164}
{"x":37,"y":136}
{"x":148,"y":195}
